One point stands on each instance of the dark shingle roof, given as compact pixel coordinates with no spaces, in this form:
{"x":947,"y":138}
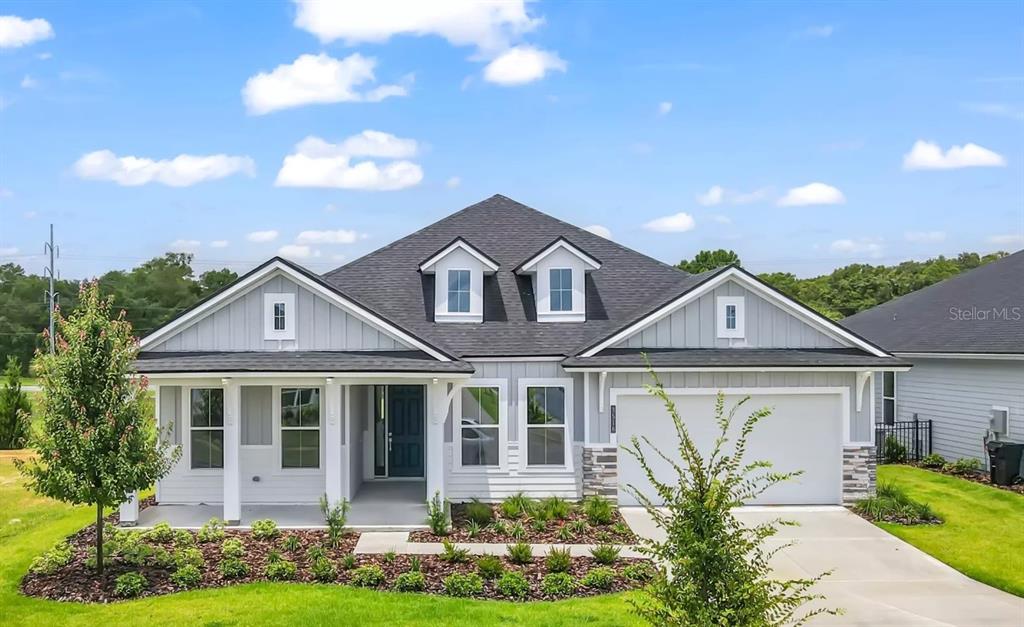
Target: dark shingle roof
{"x":981,"y":311}
{"x":388,"y":281}
{"x":296,"y":361}
{"x":731,"y":357}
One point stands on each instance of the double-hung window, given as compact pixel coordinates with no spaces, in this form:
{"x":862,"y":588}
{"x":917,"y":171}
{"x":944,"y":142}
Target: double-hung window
{"x":730,"y":317}
{"x":458,"y":291}
{"x":561,"y":289}
{"x":480,"y":409}
{"x":546,"y":430}
{"x":300,"y":427}
{"x":206,"y":427}
{"x":889,"y":397}
{"x":279,"y":316}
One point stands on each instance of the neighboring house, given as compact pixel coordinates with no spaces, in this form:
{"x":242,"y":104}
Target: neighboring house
{"x":498,"y":350}
{"x":965,"y":337}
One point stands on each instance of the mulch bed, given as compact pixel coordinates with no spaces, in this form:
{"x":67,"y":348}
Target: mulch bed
{"x":594,"y":534}
{"x":979,"y":476}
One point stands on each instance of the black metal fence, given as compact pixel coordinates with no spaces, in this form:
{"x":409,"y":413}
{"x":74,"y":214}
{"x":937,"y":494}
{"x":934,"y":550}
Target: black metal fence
{"x":907,"y":441}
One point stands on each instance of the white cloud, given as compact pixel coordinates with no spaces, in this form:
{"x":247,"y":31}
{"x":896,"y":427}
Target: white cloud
{"x":316,"y":79}
{"x":486,"y":25}
{"x":676,"y":223}
{"x":219,"y":243}
{"x":16,"y":32}
{"x":181,"y":171}
{"x":922,"y":237}
{"x":1008,"y":239}
{"x":339,"y":236}
{"x":262,"y":236}
{"x":860,"y":247}
{"x":717,"y":195}
{"x":599,"y":230}
{"x":929,"y":156}
{"x":812,"y":194}
{"x":822,"y":31}
{"x":712,"y":197}
{"x":453,"y":182}
{"x":28,"y":82}
{"x":318,"y":163}
{"x":997,"y":109}
{"x":9,"y":251}
{"x":330,"y":207}
{"x":184,"y":245}
{"x":44,"y":56}
{"x":297,"y":251}
{"x":664,"y":108}
{"x":721,"y":219}
{"x":521,"y":65}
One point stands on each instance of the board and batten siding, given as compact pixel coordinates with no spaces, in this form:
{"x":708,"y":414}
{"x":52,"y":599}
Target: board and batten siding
{"x":319,"y":325}
{"x":693,"y":326}
{"x":957,"y":395}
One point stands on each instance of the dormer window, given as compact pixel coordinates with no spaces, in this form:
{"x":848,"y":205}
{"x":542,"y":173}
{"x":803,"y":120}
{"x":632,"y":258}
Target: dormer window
{"x":561,"y":289}
{"x":279,"y":316}
{"x":459,"y":271}
{"x":558,"y":273}
{"x":458,"y":291}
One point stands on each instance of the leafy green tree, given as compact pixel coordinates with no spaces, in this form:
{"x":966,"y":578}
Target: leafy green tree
{"x":713,"y":570}
{"x":15,"y":408}
{"x":213,"y":280}
{"x":709,"y":260}
{"x":97,"y":443}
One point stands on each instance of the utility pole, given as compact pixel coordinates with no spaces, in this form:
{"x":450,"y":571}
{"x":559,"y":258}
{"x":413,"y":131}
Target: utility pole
{"x":51,"y":295}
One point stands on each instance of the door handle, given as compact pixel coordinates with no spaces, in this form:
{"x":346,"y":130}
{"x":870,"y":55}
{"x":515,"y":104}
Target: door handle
{"x":389,"y":441}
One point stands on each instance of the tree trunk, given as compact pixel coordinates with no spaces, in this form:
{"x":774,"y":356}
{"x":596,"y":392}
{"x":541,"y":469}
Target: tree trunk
{"x":99,"y":538}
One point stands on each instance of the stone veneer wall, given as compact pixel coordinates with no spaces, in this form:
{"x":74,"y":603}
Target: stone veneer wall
{"x":858,"y":473}
{"x":601,"y":471}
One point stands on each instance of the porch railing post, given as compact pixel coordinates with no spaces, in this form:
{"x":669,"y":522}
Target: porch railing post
{"x":232,"y":440}
{"x":332,"y":439}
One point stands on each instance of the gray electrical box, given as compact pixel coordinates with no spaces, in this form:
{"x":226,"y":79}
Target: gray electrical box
{"x":998,"y":421}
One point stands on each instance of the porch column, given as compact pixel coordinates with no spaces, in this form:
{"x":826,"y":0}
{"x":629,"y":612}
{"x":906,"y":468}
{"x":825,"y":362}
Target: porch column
{"x":437,"y":411}
{"x":130,"y":510}
{"x":332,"y":438}
{"x":232,"y":439}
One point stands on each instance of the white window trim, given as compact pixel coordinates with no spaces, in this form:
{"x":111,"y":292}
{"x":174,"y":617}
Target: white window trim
{"x":721,"y":303}
{"x":1006,"y":409}
{"x":186,"y":437}
{"x":269,"y":332}
{"x":895,"y":409}
{"x":279,"y":440}
{"x":551,"y":291}
{"x":570,"y":417}
{"x":502,"y":385}
{"x":447,"y":294}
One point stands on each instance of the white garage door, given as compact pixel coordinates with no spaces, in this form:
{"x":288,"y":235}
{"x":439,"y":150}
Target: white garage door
{"x":804,"y":432}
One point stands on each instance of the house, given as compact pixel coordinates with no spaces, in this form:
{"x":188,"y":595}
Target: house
{"x":965,"y":337}
{"x":498,"y":350}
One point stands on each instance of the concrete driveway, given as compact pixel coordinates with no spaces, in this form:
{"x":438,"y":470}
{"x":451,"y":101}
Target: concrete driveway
{"x":877,"y":578}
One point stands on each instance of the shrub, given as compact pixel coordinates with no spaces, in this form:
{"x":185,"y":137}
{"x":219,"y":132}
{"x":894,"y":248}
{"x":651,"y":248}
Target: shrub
{"x":601,"y":578}
{"x":489,"y":566}
{"x":323,"y":570}
{"x":233,"y":568}
{"x":53,"y":560}
{"x":348,"y":561}
{"x":558,"y":585}
{"x":892,"y":451}
{"x":480,"y":513}
{"x":264,"y":529}
{"x":473,"y":529}
{"x":188,"y":576}
{"x":290,"y":543}
{"x":437,"y":517}
{"x":539,"y":525}
{"x":162,"y":557}
{"x":517,"y":531}
{"x":892,"y":504}
{"x":161,"y":532}
{"x":368,"y":576}
{"x":389,"y":557}
{"x":211,"y":531}
{"x":453,"y":555}
{"x":130,"y":585}
{"x":519,"y":553}
{"x":578,"y":526}
{"x":280,"y":569}
{"x":517,"y":505}
{"x":459,"y":585}
{"x":558,"y":560}
{"x":183,"y":538}
{"x":132,"y":549}
{"x":412,"y":581}
{"x":187,"y":556}
{"x":315,"y":552}
{"x":565,"y":533}
{"x":556,"y":508}
{"x":499,"y":527}
{"x":15,"y":408}
{"x":640,"y":572}
{"x":415,"y":563}
{"x":336,"y":516}
{"x":605,"y":553}
{"x":963,"y":466}
{"x":513,"y":585}
{"x":933,"y":460}
{"x":232,"y":547}
{"x":599,"y":511}
{"x":622,"y":529}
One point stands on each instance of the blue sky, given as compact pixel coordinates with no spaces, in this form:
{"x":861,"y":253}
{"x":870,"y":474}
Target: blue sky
{"x":802,"y":135}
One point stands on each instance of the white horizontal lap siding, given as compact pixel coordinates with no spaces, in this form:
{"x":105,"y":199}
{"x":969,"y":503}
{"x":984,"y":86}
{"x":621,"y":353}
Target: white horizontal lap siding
{"x":957,"y":396}
{"x":693,"y":326}
{"x":463,"y":485}
{"x":319,"y":325}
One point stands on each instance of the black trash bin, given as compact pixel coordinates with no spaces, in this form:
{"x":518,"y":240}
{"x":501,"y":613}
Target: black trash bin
{"x":1004,"y":461}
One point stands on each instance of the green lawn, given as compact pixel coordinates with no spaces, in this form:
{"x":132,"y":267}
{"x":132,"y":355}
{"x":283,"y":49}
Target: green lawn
{"x":29,"y":525}
{"x":983,"y":532}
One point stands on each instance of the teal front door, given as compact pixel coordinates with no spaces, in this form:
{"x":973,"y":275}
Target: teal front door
{"x":406,"y":425}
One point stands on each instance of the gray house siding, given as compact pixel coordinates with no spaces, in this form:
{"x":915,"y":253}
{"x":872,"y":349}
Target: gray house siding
{"x":957,"y":395}
{"x":319,"y":325}
{"x":693,"y":326}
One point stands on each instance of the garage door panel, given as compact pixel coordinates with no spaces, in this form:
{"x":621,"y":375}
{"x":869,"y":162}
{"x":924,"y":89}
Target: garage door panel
{"x":804,"y":432}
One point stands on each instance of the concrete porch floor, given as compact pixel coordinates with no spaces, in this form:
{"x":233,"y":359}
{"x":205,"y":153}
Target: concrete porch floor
{"x":377,"y":506}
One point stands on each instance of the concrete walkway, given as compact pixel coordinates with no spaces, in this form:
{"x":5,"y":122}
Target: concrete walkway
{"x":383,"y":542}
{"x":877,"y":578}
